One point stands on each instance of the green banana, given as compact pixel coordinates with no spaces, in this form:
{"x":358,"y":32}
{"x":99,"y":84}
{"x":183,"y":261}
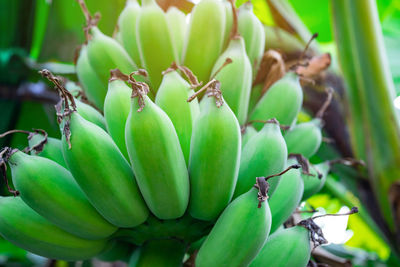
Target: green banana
{"x":22,"y":226}
{"x":84,"y":109}
{"x":94,"y":88}
{"x":56,"y":196}
{"x":291,"y":246}
{"x":90,"y":113}
{"x":161,"y":253}
{"x":45,"y":146}
{"x":252,"y":30}
{"x":286,"y":197}
{"x":116,"y":110}
{"x":305,"y":138}
{"x":248,"y":134}
{"x":286,"y":248}
{"x":105,"y":54}
{"x":93,"y":157}
{"x":286,"y":90}
{"x":263,"y":155}
{"x":126,"y":35}
{"x":228,"y":23}
{"x":205,"y":37}
{"x":156,"y":156}
{"x":235,"y":78}
{"x":171,"y":97}
{"x":178,"y":27}
{"x":154,"y":41}
{"x":313,"y":183}
{"x":239,"y":233}
{"x":255,"y":95}
{"x":215,"y":139}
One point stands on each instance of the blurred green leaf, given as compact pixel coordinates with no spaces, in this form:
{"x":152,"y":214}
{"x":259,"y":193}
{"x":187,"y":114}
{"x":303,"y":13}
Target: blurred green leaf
{"x":316,"y":16}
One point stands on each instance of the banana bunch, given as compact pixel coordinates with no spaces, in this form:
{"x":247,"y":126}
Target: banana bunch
{"x":172,"y":161}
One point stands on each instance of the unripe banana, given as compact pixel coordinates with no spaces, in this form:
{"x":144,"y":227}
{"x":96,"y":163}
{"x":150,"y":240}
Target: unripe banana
{"x":116,"y":110}
{"x":171,"y":97}
{"x":305,"y":138}
{"x":265,"y":154}
{"x":235,"y":78}
{"x":105,"y":54}
{"x":51,"y":191}
{"x":313,"y":184}
{"x":84,"y":109}
{"x":23,"y":227}
{"x":286,"y":248}
{"x":154,"y":41}
{"x":214,"y":157}
{"x":249,"y":132}
{"x":95,"y":88}
{"x":127,"y":30}
{"x":178,"y":28}
{"x":282,"y":101}
{"x":238,"y":235}
{"x":94,"y":157}
{"x":286,"y":197}
{"x":47,"y":147}
{"x":91,"y":114}
{"x":252,"y":30}
{"x":255,"y":95}
{"x":161,"y":253}
{"x":205,"y":37}
{"x":156,"y":157}
{"x":228,"y":23}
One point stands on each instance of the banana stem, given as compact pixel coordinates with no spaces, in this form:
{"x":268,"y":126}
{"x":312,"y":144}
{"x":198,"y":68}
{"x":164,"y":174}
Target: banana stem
{"x":235,"y":29}
{"x":374,"y":123}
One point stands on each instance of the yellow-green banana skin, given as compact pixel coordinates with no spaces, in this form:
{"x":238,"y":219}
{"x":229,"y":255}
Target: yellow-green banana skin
{"x":23,"y":227}
{"x":252,"y":30}
{"x":205,"y":37}
{"x":235,"y":78}
{"x":157,"y":160}
{"x":285,"y":248}
{"x":90,"y":113}
{"x":95,"y":89}
{"x":127,"y":30}
{"x":154,"y":39}
{"x":171,"y":97}
{"x":105,"y":54}
{"x":305,"y":138}
{"x":214,"y":159}
{"x":313,"y":184}
{"x":178,"y":28}
{"x":265,"y":154}
{"x":238,"y":235}
{"x":51,"y":191}
{"x":161,"y":253}
{"x":116,"y":110}
{"x":286,"y":197}
{"x":51,"y":150}
{"x":103,"y":174}
{"x":282,"y":101}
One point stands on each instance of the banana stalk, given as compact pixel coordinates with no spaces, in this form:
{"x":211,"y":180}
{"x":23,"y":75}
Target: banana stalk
{"x":370,"y":98}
